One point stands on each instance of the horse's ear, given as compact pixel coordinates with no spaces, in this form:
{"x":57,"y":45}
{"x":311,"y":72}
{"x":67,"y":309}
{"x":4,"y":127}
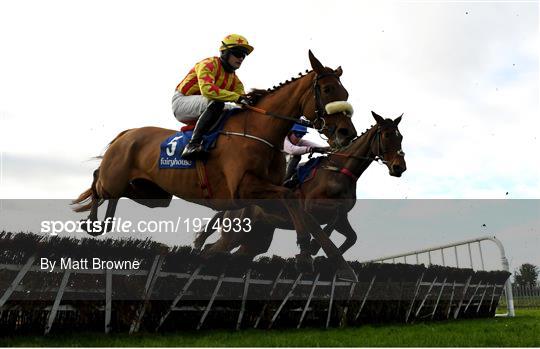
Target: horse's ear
{"x":338,"y":71}
{"x":315,"y":64}
{"x":377,"y":117}
{"x":398,"y":120}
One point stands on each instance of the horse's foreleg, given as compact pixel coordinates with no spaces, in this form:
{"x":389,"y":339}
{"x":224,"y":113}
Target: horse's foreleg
{"x":206,"y":231}
{"x":314,"y":246}
{"x":344,"y":227}
{"x":273,"y":198}
{"x":253,"y":187}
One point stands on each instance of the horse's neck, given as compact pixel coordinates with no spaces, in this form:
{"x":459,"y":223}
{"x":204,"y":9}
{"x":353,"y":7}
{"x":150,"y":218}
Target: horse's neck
{"x":286,"y":100}
{"x":361,"y":152}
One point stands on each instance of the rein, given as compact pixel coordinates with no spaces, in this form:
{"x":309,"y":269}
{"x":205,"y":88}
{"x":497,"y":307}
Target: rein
{"x":304,"y":122}
{"x":319,"y":108}
{"x":318,"y":119}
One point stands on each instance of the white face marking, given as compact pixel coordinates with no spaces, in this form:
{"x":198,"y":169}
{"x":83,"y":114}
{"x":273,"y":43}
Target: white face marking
{"x":397,"y":132}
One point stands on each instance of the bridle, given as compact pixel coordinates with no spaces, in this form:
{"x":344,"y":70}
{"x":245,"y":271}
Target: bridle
{"x":319,"y":107}
{"x":320,"y":112}
{"x":377,"y":157}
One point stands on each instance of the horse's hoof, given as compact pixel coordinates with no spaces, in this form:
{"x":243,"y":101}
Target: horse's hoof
{"x":304,"y":263}
{"x":346,"y":274}
{"x":314,"y":247}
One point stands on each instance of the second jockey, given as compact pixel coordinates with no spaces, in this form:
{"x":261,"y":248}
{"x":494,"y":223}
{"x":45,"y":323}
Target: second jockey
{"x":295,"y":146}
{"x":202,"y":94}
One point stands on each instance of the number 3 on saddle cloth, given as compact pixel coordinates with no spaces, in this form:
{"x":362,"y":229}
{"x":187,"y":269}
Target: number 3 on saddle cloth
{"x":170,"y":155}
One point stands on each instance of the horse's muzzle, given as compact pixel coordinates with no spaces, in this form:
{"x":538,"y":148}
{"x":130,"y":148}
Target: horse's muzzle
{"x":397,"y":169}
{"x":344,"y":136}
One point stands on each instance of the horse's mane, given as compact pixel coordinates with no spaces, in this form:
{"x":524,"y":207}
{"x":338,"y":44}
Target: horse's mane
{"x":256,"y":94}
{"x":386,"y":121}
{"x":351,"y":143}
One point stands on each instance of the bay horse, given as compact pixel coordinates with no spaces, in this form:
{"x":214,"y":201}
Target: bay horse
{"x":246,"y":165}
{"x":328,"y":195}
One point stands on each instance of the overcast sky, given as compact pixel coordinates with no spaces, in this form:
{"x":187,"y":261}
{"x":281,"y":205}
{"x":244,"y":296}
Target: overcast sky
{"x":465,"y":74}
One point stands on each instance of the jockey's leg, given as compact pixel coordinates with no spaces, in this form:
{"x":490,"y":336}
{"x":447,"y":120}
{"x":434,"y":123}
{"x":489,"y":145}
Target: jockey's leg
{"x":292,"y":164}
{"x":291,"y":176}
{"x":195,"y":149}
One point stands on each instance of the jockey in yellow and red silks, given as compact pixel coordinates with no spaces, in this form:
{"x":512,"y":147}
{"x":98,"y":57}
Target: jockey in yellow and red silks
{"x":202,"y":94}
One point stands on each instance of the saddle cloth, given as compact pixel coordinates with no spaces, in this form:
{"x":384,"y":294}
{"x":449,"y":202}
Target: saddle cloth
{"x":170,"y":155}
{"x":307,"y":170}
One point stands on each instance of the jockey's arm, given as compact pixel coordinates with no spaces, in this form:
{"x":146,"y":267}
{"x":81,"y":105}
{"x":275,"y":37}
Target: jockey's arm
{"x":310,"y":144}
{"x":303,"y":147}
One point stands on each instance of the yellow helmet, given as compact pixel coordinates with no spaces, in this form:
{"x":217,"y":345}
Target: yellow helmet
{"x":235,"y":40}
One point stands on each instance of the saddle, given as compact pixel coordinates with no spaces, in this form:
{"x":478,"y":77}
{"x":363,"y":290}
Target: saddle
{"x":305,"y":172}
{"x":170,"y":156}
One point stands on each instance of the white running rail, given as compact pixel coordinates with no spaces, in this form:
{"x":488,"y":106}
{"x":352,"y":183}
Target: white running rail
{"x":428,"y":251}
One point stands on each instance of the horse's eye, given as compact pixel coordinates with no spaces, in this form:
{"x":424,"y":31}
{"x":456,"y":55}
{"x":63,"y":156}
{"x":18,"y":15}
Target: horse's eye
{"x":327,"y":89}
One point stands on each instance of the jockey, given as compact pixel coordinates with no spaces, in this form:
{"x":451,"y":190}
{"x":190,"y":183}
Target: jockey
{"x":202,"y":94}
{"x":295,"y":147}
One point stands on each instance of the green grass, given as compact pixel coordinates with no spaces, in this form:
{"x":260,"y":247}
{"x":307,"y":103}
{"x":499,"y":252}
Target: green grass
{"x":521,"y":331}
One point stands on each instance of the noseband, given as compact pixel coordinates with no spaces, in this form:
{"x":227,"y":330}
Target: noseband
{"x":379,"y":156}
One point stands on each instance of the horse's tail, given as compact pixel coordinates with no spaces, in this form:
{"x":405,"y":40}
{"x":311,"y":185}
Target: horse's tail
{"x":84,"y":201}
{"x":89,"y":197}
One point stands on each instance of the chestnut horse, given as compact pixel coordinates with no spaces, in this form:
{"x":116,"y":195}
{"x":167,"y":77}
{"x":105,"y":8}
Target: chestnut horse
{"x":329,"y":195}
{"x":246,"y":165}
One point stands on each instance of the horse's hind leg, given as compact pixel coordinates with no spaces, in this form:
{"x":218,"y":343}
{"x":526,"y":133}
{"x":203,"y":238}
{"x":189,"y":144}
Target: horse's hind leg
{"x":257,"y":241}
{"x":94,"y":198}
{"x":147,"y":193}
{"x":344,"y":227}
{"x":109,"y":215}
{"x":95,"y":202}
{"x":206,"y":231}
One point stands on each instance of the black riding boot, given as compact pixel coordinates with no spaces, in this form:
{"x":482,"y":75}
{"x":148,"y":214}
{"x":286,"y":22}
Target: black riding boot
{"x":290,"y":174}
{"x":194,"y":149}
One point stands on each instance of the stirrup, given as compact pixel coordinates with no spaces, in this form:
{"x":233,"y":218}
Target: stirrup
{"x":291,"y":183}
{"x":193,"y":151}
